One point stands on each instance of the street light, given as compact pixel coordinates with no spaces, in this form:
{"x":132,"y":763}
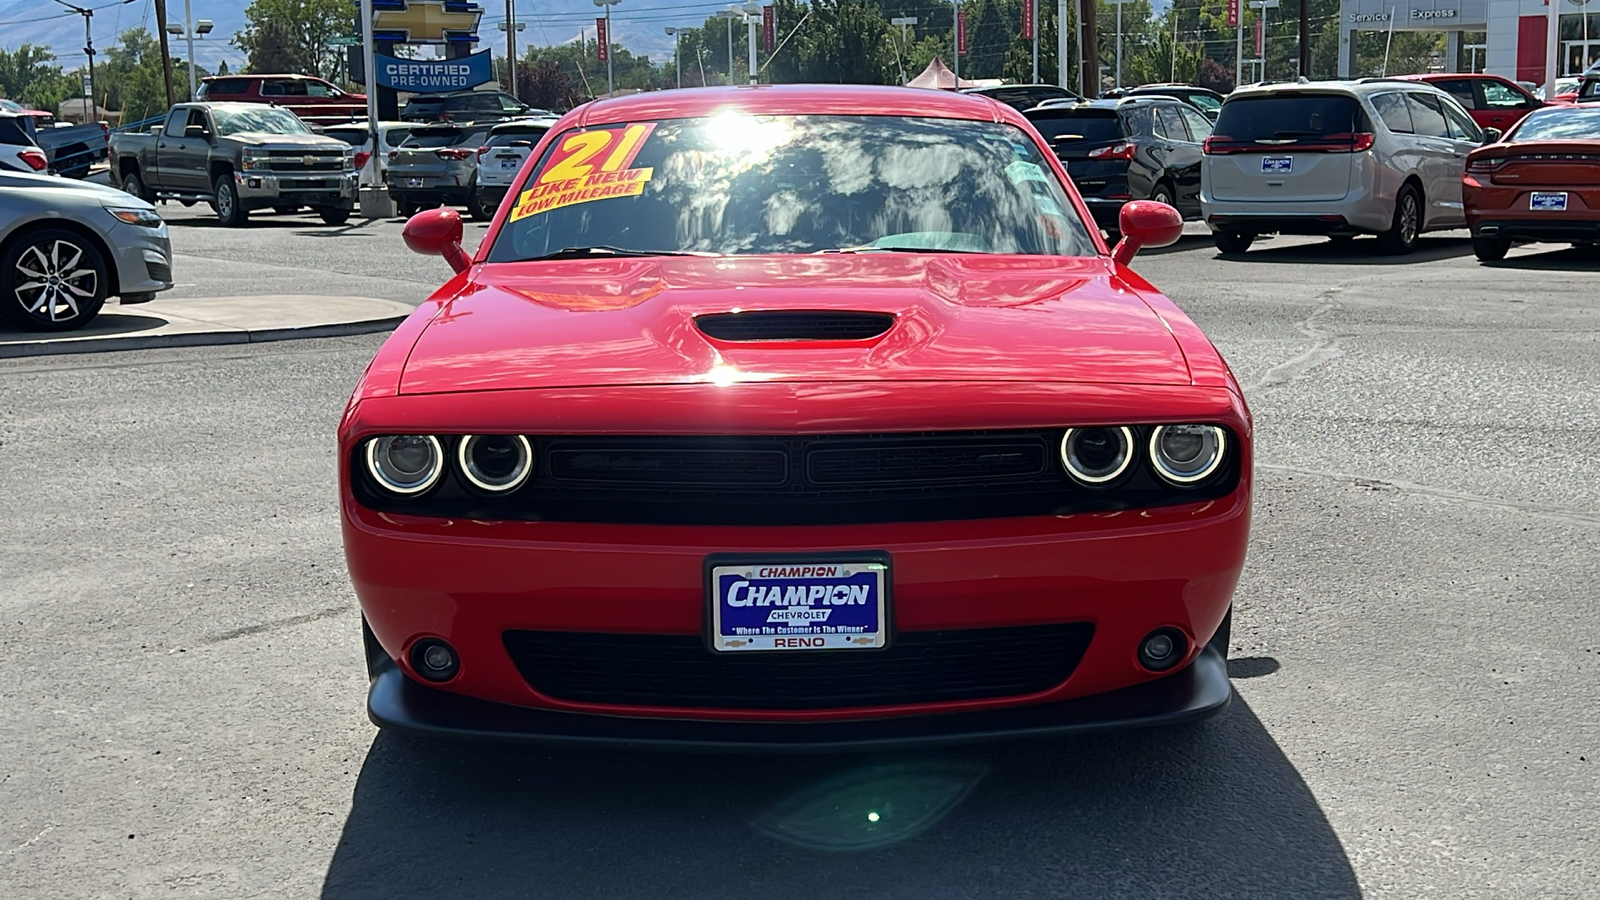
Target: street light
{"x":1119,"y":5}
{"x":731,"y":13}
{"x":676,"y":65}
{"x":511,"y":26}
{"x":610,"y":88}
{"x":752,"y":15}
{"x":187,"y":31}
{"x":903,"y":21}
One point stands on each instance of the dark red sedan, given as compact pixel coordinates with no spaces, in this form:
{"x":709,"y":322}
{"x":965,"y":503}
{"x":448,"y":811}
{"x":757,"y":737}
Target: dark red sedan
{"x":800,"y":417}
{"x":1541,"y":183}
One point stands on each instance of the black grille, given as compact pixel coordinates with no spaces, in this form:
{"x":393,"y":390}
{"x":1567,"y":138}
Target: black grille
{"x":158,"y":271}
{"x":295,"y":161}
{"x":803,"y":480}
{"x":794,"y":325}
{"x":916,"y":667}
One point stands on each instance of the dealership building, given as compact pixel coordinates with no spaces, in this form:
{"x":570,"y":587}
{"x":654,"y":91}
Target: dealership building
{"x":1504,"y":37}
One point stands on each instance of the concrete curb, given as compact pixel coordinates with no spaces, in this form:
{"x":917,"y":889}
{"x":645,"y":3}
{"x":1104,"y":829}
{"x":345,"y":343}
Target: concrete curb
{"x":218,"y":321}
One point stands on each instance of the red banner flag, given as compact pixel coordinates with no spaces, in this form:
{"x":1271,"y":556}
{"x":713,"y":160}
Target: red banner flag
{"x":602,"y":39}
{"x":1027,"y":20}
{"x":961,"y":32}
{"x":1233,"y":13}
{"x":769,"y":28}
{"x":1261,"y":40}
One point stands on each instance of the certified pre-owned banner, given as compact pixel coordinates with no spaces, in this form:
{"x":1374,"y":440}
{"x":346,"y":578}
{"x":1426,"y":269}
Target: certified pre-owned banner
{"x":432,"y":76}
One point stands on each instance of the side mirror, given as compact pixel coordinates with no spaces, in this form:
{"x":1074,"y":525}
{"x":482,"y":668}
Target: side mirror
{"x":437,"y":232}
{"x":194,"y":131}
{"x":1146,"y":223}
{"x":1492,"y":135}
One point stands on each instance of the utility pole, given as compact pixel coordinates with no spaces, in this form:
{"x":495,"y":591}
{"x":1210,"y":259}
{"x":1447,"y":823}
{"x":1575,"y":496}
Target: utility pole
{"x":511,"y":26}
{"x":1305,"y":41}
{"x":88,"y":49}
{"x":188,"y":35}
{"x":166,"y":56}
{"x":1089,"y":48}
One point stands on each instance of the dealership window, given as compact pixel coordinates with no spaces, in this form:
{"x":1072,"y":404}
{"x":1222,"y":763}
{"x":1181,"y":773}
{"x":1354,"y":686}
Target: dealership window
{"x":1580,"y":42}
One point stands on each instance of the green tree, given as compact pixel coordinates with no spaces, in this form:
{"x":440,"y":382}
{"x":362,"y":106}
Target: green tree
{"x":29,"y":76}
{"x":293,"y":35}
{"x":130,"y":79}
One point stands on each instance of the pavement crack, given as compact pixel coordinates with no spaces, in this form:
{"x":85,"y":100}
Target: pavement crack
{"x":1324,"y":347}
{"x":1580,"y":516}
{"x":31,"y":841}
{"x":275,"y":625}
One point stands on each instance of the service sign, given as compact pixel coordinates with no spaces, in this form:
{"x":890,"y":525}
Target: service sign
{"x":812,"y":605}
{"x":587,"y":166}
{"x":434,"y":76}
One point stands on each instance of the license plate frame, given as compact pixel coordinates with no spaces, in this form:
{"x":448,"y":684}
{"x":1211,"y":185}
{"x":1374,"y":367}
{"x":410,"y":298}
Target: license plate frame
{"x":872,"y":567}
{"x":1547,"y":201}
{"x":1277,"y":165}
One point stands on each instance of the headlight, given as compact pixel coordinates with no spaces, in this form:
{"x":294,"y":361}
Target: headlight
{"x":405,"y":463}
{"x":254,"y":158}
{"x":495,"y":462}
{"x":145,"y":217}
{"x":349,"y":158}
{"x":1186,"y":454}
{"x":1096,"y":456}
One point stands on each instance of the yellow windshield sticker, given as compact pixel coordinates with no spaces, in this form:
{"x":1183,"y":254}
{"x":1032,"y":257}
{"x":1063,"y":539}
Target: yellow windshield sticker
{"x":588,"y":165}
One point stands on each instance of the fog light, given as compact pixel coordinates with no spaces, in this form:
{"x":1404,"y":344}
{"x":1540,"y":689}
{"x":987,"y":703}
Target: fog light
{"x":1162,"y":649}
{"x":435,"y":660}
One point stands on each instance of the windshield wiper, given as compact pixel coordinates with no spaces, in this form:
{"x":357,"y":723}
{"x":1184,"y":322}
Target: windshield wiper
{"x":869,"y":248}
{"x":604,"y":250}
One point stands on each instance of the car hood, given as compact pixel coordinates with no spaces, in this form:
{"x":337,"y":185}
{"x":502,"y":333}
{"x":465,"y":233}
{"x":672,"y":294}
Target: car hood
{"x":265,"y":139}
{"x":71,"y":187}
{"x":632,"y":321}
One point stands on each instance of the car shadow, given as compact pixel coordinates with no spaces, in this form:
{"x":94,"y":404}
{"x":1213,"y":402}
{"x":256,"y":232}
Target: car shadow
{"x":1556,"y":258}
{"x":1207,"y":810}
{"x":1362,"y":251}
{"x":1187,"y":242}
{"x":107,"y":323}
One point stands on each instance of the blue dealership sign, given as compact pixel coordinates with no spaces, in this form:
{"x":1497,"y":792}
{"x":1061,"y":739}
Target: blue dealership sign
{"x":433,"y":76}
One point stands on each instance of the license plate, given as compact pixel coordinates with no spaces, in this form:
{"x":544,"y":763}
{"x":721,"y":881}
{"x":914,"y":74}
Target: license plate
{"x":510,"y":163}
{"x":413,"y":182}
{"x":1277,"y":165}
{"x":810,"y":604}
{"x":1548,"y":201}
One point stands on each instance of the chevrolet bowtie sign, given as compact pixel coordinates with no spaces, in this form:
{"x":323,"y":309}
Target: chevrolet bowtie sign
{"x":425,"y":21}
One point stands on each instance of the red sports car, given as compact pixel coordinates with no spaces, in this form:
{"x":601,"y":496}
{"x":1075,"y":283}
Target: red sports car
{"x":805,"y":417}
{"x":1542,"y":183}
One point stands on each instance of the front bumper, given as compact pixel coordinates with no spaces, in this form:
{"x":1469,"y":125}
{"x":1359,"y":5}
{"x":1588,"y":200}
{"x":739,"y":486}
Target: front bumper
{"x":142,"y":257}
{"x":1197,"y":692}
{"x":263,"y":189}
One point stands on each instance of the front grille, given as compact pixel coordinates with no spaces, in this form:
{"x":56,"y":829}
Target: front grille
{"x":295,"y":161}
{"x":794,"y":325}
{"x":804,"y":480}
{"x":916,"y":667}
{"x":161,"y":272}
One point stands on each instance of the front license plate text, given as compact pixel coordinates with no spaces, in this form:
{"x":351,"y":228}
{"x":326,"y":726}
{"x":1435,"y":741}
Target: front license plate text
{"x":799,"y":606}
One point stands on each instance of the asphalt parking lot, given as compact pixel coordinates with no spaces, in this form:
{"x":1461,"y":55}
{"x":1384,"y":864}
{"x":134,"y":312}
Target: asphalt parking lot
{"x":1415,"y":647}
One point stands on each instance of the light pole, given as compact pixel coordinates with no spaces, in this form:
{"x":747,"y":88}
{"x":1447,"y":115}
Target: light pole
{"x":752,"y":16}
{"x":1261,"y":57}
{"x":956,"y":29}
{"x":676,"y":65}
{"x":187,"y":31}
{"x":610,"y":88}
{"x":1119,"y":4}
{"x":731,"y":13}
{"x":511,"y":26}
{"x":903,"y":21}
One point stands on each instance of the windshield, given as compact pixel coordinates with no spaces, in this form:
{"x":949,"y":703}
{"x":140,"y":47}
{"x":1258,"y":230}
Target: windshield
{"x":529,"y":134}
{"x":736,"y":184}
{"x":1560,"y":125}
{"x":1288,"y":117}
{"x":430,"y":138}
{"x":265,"y":119}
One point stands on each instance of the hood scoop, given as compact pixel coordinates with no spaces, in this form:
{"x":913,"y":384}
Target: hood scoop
{"x":794,"y":325}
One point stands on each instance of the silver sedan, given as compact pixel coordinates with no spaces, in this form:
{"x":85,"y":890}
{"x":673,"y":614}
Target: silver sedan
{"x":66,"y":246}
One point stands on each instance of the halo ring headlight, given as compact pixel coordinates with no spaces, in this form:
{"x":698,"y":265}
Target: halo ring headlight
{"x":495,"y":462}
{"x":405,"y":464}
{"x":1089,"y":457}
{"x":1187,"y":454}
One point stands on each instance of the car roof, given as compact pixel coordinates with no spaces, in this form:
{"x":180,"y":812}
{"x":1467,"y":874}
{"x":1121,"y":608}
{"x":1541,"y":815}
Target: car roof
{"x":256,"y":77}
{"x":1359,"y":88}
{"x":795,"y":99}
{"x":513,"y":124}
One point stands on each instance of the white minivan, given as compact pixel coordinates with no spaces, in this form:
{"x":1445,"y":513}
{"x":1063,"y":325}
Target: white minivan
{"x":500,"y":159}
{"x":1375,"y":156}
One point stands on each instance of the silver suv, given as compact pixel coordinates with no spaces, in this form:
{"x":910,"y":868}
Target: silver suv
{"x":1374,"y":156}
